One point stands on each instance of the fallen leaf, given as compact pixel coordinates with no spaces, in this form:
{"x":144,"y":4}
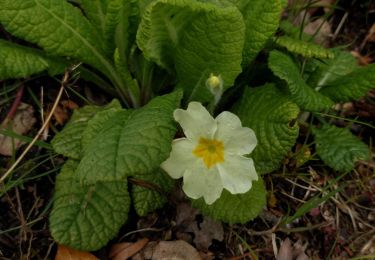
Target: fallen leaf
{"x":69,"y":104}
{"x":60,"y":114}
{"x":285,"y":251}
{"x":203,"y":232}
{"x":271,"y":199}
{"x":21,"y":123}
{"x":321,"y":30}
{"x":185,"y":214}
{"x":206,"y":232}
{"x":66,"y":253}
{"x":302,"y":256}
{"x":363,"y":60}
{"x":126,"y":250}
{"x":176,"y":250}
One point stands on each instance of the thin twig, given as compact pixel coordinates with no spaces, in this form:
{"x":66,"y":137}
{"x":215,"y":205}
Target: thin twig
{"x":41,"y":130}
{"x":16,"y":103}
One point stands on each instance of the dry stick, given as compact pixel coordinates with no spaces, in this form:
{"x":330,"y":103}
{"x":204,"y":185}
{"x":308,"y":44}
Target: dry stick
{"x":64,"y":81}
{"x":15,"y":104}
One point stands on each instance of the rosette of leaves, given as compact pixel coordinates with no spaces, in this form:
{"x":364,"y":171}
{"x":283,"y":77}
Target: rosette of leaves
{"x":189,"y":40}
{"x":107,"y":148}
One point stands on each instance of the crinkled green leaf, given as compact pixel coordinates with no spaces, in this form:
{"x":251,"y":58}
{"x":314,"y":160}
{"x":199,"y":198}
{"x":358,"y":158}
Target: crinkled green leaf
{"x":96,"y":124}
{"x":20,"y":62}
{"x":338,"y":148}
{"x":68,"y":141}
{"x":306,"y":49}
{"x":121,"y":63}
{"x":262,"y":20}
{"x":96,"y":11}
{"x":238,"y":208}
{"x":159,"y":31}
{"x":116,"y":31}
{"x":272,"y":117}
{"x":195,"y":39}
{"x":132,"y":142}
{"x":56,"y":26}
{"x":303,"y":95}
{"x":86,"y":217}
{"x":351,"y":86}
{"x":150,"y":193}
{"x":332,"y":69}
{"x":240,"y":4}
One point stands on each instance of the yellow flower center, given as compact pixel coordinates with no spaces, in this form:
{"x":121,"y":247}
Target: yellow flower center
{"x":211,"y":151}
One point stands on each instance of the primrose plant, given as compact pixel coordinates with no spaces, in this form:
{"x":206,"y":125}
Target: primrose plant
{"x":158,"y":58}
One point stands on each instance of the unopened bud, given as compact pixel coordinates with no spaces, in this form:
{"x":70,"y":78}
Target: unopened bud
{"x":215,"y":85}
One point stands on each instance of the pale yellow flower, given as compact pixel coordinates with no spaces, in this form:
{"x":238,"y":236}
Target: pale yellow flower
{"x":211,"y":156}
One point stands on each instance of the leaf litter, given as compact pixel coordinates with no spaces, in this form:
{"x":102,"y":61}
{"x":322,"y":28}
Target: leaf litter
{"x":20,"y":124}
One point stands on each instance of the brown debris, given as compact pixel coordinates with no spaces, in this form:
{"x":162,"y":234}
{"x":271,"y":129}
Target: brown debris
{"x":21,"y":124}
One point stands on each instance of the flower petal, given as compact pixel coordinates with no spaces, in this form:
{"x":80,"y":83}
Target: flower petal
{"x":237,"y":139}
{"x":196,"y":121}
{"x":237,"y":173}
{"x":180,"y":159}
{"x":201,"y":182}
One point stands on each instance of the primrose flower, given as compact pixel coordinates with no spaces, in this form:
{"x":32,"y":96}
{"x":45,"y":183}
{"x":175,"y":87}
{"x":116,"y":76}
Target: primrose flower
{"x":211,"y":157}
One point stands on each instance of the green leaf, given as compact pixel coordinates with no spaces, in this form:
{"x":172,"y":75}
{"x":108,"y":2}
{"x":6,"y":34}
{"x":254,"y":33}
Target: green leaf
{"x":240,"y":4}
{"x":146,"y":197}
{"x":239,"y":208}
{"x":303,"y":95}
{"x":96,"y":124}
{"x":132,"y":142}
{"x":195,"y":39}
{"x":262,"y":19}
{"x":329,"y":70}
{"x":338,"y":148}
{"x":20,"y":62}
{"x":116,"y":29}
{"x":351,"y":86}
{"x":272,"y":117}
{"x":58,"y":27}
{"x":68,"y":141}
{"x":306,"y":49}
{"x":95,"y":10}
{"x":121,"y":64}
{"x":86,"y":217}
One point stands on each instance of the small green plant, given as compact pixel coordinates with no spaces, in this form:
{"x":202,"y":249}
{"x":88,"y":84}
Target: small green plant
{"x":201,"y":51}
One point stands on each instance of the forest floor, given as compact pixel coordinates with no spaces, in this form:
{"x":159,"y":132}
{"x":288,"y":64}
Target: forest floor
{"x":341,"y":225}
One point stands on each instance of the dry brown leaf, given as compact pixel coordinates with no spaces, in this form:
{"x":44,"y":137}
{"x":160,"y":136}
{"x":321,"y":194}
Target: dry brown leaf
{"x":285,"y":251}
{"x":126,"y":250}
{"x":66,"y":253}
{"x":61,"y":115}
{"x":272,"y":200}
{"x":209,"y":229}
{"x":321,"y":29}
{"x":176,"y":250}
{"x":69,"y":104}
{"x":185,"y":214}
{"x":22,"y":122}
{"x":362,"y":60}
